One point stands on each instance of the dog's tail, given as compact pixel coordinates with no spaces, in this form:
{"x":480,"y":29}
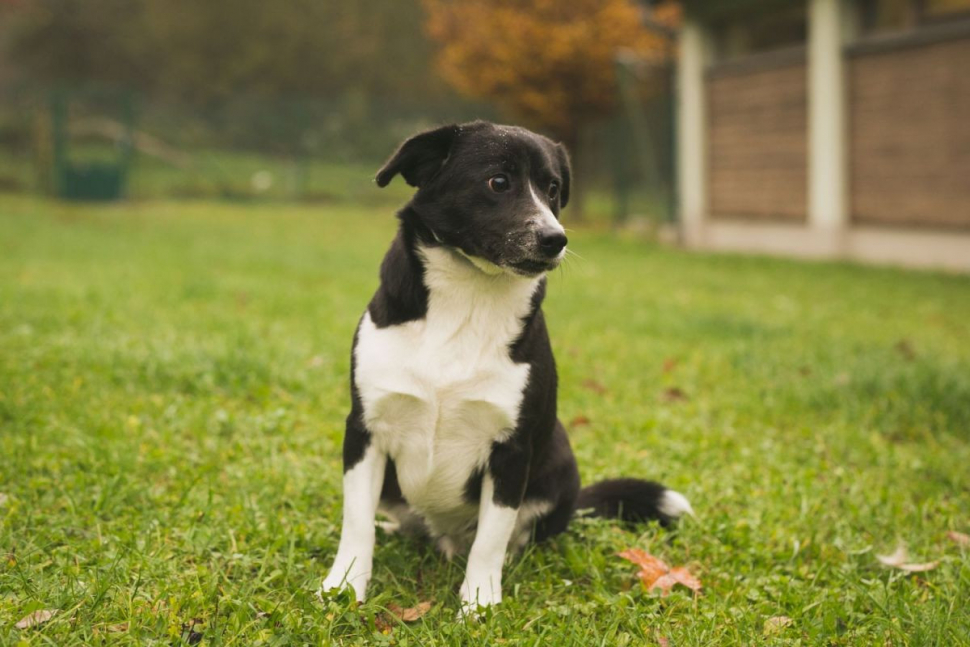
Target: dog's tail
{"x":632,"y":500}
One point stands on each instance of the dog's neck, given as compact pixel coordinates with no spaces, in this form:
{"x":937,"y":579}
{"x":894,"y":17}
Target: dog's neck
{"x":482,"y":312}
{"x":418,"y":270}
{"x":450,"y":273}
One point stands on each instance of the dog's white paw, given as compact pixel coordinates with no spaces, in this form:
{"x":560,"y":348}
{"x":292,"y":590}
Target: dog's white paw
{"x":341,"y":577}
{"x":476,"y":595}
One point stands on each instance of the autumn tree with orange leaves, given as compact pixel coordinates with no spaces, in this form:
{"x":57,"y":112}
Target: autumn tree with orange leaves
{"x":550,"y":63}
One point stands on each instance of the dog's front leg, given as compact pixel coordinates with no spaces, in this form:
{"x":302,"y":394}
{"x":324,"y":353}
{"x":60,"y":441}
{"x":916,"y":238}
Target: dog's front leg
{"x":503,"y":487}
{"x":355,"y":554}
{"x":483,"y":578}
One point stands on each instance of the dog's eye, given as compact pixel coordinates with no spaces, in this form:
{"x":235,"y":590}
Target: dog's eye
{"x":499,"y":184}
{"x":553,"y":190}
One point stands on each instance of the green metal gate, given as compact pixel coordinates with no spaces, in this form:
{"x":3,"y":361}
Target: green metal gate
{"x":97,"y":166}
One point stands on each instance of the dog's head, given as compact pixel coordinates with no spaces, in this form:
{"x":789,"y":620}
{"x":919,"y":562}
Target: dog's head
{"x":491,"y":192}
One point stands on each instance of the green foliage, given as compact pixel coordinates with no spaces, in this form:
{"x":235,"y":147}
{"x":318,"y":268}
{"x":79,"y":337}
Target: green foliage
{"x":173,"y":381}
{"x":337,"y":81}
{"x":204,"y":52}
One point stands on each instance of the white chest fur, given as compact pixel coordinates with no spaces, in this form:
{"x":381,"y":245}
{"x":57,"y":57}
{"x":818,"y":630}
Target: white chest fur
{"x":437,"y":392}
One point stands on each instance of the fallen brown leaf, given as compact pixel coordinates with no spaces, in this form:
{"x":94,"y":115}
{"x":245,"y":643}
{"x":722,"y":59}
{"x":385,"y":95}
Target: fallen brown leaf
{"x":905,"y":349}
{"x":655,"y":574}
{"x":117,"y":628}
{"x":958,"y":538}
{"x":775,"y":625}
{"x":579,"y":421}
{"x":674,"y":394}
{"x":36,"y":618}
{"x":677,"y":575}
{"x":650,"y":566}
{"x":594,"y":386}
{"x":900,"y":559}
{"x":409,"y":615}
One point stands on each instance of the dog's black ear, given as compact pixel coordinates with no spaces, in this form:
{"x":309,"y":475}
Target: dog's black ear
{"x":566,"y":170}
{"x":419,"y":158}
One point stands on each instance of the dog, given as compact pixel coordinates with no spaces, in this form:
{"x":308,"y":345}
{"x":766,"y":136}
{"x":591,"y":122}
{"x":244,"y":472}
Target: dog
{"x":452,"y":432}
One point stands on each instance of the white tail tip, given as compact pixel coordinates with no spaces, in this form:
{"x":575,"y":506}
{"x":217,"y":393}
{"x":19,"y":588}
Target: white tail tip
{"x":675,"y":505}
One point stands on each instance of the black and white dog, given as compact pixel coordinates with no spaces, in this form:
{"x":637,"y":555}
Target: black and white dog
{"x":452,"y":431}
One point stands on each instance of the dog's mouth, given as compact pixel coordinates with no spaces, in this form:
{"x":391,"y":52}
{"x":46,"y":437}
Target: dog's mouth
{"x":527,"y":267}
{"x":534,"y":267}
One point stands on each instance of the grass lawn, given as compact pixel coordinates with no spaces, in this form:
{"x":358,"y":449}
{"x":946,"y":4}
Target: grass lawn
{"x":173,"y":383}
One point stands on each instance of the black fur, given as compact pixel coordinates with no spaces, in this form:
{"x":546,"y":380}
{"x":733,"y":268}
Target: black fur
{"x":450,"y":167}
{"x":402,"y":295}
{"x":420,"y":158}
{"x":356,"y":436}
{"x":627,"y":499}
{"x":509,"y":465}
{"x":453,"y":206}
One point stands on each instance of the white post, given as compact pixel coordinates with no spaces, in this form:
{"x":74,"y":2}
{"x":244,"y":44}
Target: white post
{"x":691,"y":132}
{"x":827,"y":211}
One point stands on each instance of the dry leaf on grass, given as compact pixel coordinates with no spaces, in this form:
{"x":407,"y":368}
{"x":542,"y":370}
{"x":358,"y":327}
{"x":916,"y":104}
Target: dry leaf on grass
{"x":775,"y":625}
{"x":594,"y":386}
{"x":409,"y":615}
{"x":894,"y":559}
{"x":900,"y":559}
{"x":36,"y":618}
{"x":674,"y":394}
{"x":958,"y":538}
{"x":905,"y":348}
{"x":579,"y":421}
{"x":117,"y":628}
{"x":655,"y":574}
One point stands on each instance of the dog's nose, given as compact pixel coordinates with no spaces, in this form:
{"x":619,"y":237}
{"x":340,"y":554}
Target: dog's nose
{"x":551,"y":242}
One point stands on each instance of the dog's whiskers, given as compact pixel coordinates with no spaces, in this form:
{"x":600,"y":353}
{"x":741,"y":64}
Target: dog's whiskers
{"x":570,"y":253}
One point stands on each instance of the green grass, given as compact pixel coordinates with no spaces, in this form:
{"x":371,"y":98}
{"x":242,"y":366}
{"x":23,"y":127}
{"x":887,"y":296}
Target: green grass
{"x":173,"y":382}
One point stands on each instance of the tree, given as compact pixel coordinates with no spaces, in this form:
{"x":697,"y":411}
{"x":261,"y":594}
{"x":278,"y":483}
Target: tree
{"x":204,"y":52}
{"x":549,"y":62}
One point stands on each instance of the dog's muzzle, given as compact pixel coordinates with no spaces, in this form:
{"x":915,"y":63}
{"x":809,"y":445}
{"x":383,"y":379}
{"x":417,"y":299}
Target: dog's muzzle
{"x":552,"y":242}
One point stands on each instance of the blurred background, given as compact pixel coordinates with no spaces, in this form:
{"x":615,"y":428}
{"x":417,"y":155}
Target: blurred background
{"x":302,"y":100}
{"x":824,"y":128}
